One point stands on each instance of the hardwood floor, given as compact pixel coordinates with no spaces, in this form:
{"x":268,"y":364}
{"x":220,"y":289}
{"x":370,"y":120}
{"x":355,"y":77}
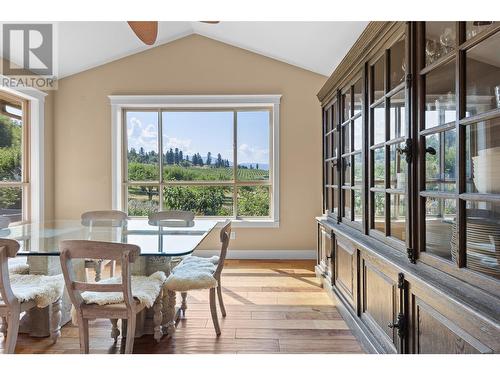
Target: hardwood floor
{"x":272,"y":307}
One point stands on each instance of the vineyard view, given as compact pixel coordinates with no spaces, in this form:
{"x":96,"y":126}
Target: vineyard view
{"x":193,"y":149}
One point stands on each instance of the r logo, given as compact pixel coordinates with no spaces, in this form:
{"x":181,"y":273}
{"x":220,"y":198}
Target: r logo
{"x":28,"y":49}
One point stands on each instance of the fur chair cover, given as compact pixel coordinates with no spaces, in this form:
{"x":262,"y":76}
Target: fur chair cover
{"x":144,"y":288}
{"x":191,"y":275}
{"x":44,"y":290}
{"x":194,"y":258}
{"x":18,"y":265}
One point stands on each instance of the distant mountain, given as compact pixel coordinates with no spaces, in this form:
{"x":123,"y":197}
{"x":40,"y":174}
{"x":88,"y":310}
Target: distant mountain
{"x":263,"y":166}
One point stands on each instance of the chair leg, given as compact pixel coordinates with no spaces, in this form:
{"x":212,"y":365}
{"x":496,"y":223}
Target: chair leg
{"x":115,"y":331}
{"x":83,"y":332}
{"x":98,"y":270}
{"x":13,"y":329}
{"x":55,"y":321}
{"x":213,"y":311}
{"x":129,"y":342}
{"x":184,"y":305}
{"x":221,"y":302}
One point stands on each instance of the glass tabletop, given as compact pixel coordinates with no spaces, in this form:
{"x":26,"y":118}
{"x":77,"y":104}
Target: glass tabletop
{"x":43,"y":238}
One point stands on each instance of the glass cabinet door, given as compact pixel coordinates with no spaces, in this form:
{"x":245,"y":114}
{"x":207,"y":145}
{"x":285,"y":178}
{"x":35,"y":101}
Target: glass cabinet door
{"x":388,"y":142}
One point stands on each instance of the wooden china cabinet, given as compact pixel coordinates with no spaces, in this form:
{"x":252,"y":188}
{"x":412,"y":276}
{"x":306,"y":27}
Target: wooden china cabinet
{"x":409,"y":243}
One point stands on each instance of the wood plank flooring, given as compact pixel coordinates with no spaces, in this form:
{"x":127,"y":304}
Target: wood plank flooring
{"x":272,"y":307}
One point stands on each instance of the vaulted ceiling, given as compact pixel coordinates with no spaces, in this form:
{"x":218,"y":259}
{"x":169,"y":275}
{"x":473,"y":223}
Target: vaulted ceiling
{"x":315,"y":46}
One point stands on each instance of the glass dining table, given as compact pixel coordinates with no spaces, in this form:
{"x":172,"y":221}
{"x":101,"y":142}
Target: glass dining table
{"x":39,"y":242}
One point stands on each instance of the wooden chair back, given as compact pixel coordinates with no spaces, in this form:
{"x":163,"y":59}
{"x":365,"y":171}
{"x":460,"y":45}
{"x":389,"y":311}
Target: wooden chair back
{"x":8,"y":249}
{"x":155,"y":218}
{"x":82,"y":249}
{"x":109,"y":218}
{"x":225,"y":236}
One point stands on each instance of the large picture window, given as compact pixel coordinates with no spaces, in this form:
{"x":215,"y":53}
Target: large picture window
{"x":14,"y":186}
{"x":214,"y":160}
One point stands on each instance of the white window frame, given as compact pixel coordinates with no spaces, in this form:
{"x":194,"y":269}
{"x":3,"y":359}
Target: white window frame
{"x":35,"y":211}
{"x":119,"y":103}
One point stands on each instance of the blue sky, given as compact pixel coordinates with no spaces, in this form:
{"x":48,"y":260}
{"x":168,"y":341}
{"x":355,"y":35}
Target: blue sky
{"x":202,"y":132}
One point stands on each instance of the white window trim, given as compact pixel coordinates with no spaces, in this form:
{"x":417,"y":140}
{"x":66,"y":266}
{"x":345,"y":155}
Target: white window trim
{"x":36,"y":99}
{"x":121,"y":102}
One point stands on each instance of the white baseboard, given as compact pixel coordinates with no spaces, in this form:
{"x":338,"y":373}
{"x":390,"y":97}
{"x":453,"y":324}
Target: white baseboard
{"x":261,"y":254}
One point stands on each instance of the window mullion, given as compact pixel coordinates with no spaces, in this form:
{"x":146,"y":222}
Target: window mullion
{"x":235,"y":163}
{"x":160,"y":158}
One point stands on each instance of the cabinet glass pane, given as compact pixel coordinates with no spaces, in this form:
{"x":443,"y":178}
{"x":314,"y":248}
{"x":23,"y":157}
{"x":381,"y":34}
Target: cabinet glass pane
{"x":328,"y":147}
{"x":358,"y":97}
{"x":346,"y":194}
{"x":358,"y":169}
{"x":328,"y":114}
{"x":398,"y":167}
{"x":440,"y":160}
{"x":439,"y":40}
{"x":482,"y":238}
{"x":333,"y":172}
{"x":483,"y":76}
{"x":473,"y":28}
{"x":346,"y":106}
{"x":379,"y":211}
{"x":398,"y":216}
{"x":335,"y":199}
{"x":335,"y":115}
{"x":482,"y":150}
{"x":397,"y":113}
{"x":378,"y":79}
{"x":378,"y":114}
{"x":333,"y":148}
{"x":440,"y":216}
{"x":358,"y":208}
{"x":379,"y":167}
{"x":358,"y":133}
{"x":397,"y":63}
{"x":346,"y":138}
{"x":440,"y":102}
{"x":347,"y":170}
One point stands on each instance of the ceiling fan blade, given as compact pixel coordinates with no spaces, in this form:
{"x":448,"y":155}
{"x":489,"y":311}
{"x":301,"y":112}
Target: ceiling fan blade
{"x":211,"y":22}
{"x":146,"y":31}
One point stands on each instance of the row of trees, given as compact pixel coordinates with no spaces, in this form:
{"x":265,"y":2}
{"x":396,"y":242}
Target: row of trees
{"x":177,"y":157}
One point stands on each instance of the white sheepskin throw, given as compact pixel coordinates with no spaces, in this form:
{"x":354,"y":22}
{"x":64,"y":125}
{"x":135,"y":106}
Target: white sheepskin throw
{"x":192,"y":275}
{"x":44,"y":290}
{"x":194,"y":258}
{"x":144,"y":288}
{"x":18,"y":265}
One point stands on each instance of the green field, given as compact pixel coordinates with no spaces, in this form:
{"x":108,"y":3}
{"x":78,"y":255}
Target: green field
{"x":203,"y":200}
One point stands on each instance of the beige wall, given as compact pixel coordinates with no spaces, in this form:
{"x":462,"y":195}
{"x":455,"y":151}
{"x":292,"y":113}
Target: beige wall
{"x":192,"y":65}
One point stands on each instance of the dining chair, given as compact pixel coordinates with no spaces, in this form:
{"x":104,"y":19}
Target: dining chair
{"x":171,"y":218}
{"x":116,"y":298}
{"x":195,"y":273}
{"x":20,"y":293}
{"x":104,"y":218}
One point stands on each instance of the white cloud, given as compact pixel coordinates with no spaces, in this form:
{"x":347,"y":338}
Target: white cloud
{"x":181,"y":144}
{"x":249,"y":154}
{"x":140,"y":135}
